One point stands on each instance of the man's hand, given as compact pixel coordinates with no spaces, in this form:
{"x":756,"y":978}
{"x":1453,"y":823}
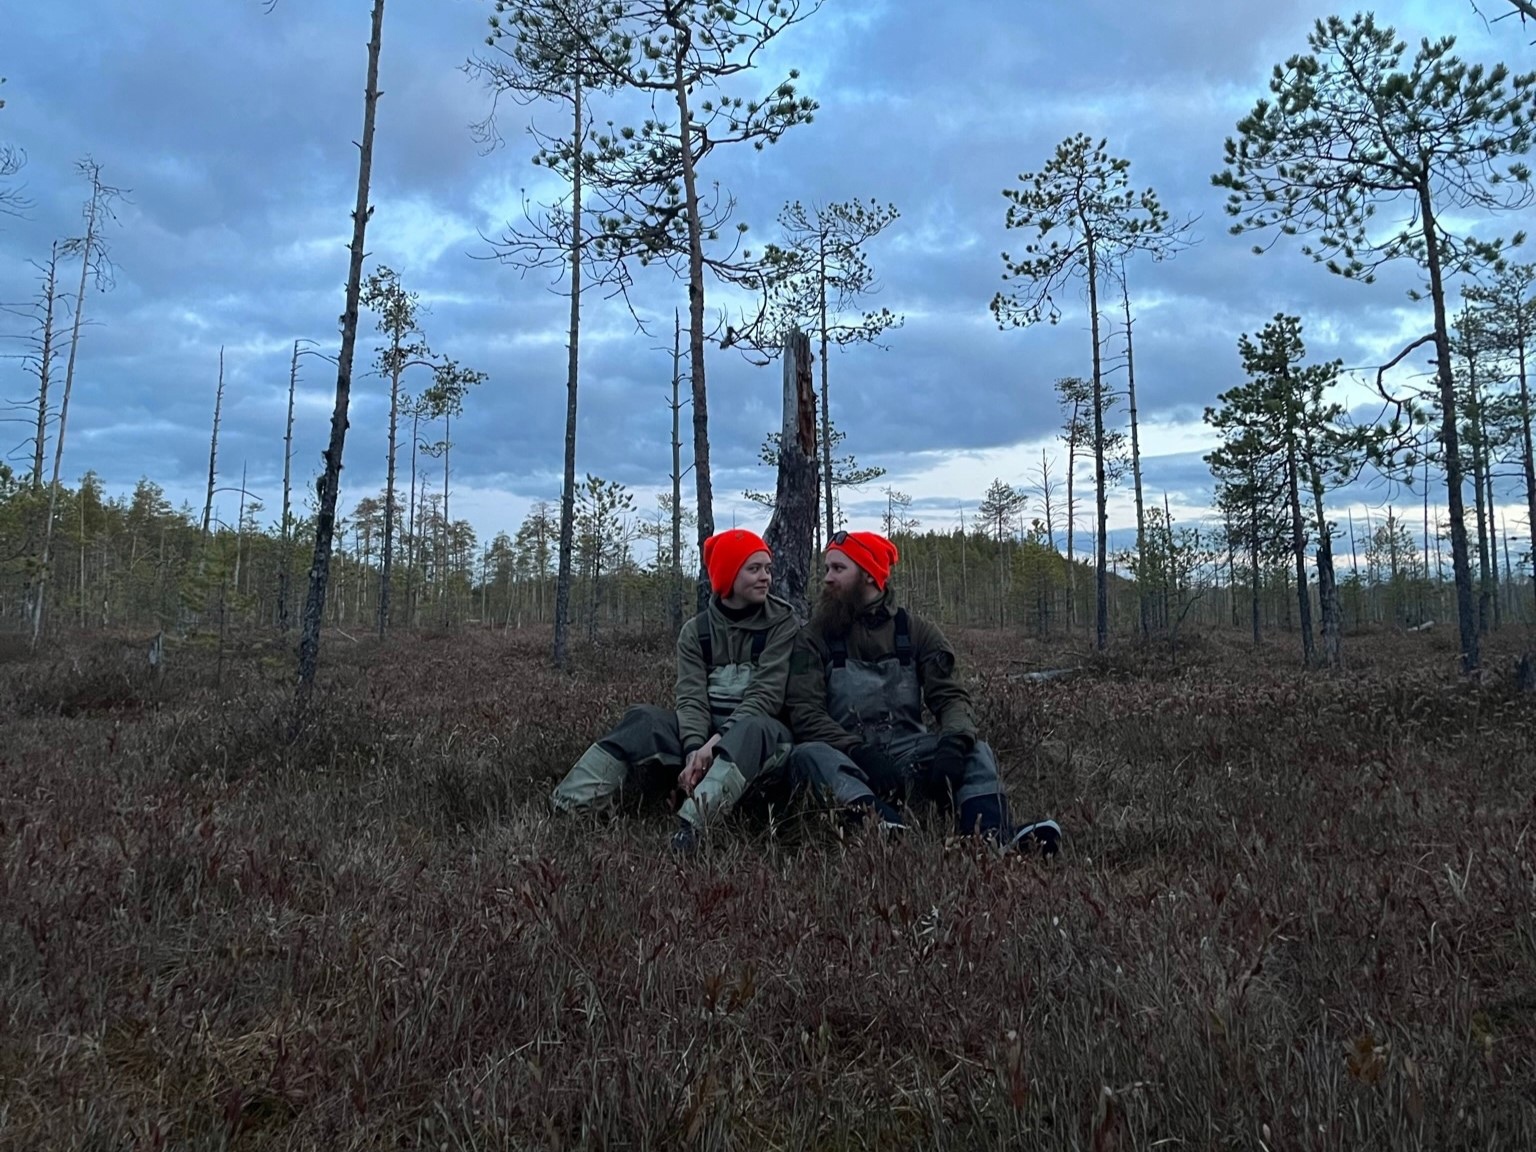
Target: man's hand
{"x":947,"y":772}
{"x":881,"y":773}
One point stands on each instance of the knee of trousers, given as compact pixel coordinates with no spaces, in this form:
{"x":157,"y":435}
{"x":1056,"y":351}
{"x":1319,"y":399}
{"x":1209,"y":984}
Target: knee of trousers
{"x":828,"y":772}
{"x":981,"y":775}
{"x":646,"y":732}
{"x":752,"y":741}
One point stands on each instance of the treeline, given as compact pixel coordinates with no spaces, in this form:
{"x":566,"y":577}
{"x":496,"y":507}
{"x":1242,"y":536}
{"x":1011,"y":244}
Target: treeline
{"x":136,"y":562}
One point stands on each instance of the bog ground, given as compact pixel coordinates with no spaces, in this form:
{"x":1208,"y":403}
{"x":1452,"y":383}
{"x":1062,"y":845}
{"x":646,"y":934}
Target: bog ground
{"x":1296,"y":911}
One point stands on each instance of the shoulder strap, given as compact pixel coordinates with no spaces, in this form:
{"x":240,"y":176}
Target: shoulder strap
{"x":706,"y":642}
{"x":837,"y":651}
{"x":903,"y":637}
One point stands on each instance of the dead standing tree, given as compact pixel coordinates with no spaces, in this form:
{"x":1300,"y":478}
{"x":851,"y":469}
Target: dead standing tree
{"x":330,"y":481}
{"x":93,"y":261}
{"x":793,"y":524}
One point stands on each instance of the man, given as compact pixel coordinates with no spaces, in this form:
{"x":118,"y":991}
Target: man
{"x":724,"y":733}
{"x":862,"y":672}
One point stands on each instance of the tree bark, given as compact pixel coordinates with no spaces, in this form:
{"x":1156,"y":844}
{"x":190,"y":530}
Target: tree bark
{"x":1528,"y":457}
{"x":45,"y":367}
{"x":213,"y":445}
{"x":675,"y":599}
{"x":1299,"y":548}
{"x":386,"y":560}
{"x":1141,"y":522}
{"x":793,"y":525}
{"x":1450,"y":439}
{"x":826,"y":400}
{"x":91,"y":215}
{"x":1101,"y":572}
{"x":705,"y":501}
{"x":330,"y":481}
{"x":572,"y":378}
{"x":285,"y":557}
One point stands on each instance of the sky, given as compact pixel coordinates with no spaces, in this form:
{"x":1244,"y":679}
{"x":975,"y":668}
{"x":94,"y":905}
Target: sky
{"x":231,"y":131}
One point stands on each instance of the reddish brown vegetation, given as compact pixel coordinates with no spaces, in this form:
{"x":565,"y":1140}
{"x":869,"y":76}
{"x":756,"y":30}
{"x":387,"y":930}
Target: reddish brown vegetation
{"x":1295,"y":910}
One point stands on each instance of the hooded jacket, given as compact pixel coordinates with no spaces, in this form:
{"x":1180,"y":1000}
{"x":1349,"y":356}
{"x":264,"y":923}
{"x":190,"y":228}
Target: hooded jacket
{"x":873,"y":638}
{"x":736,"y":684}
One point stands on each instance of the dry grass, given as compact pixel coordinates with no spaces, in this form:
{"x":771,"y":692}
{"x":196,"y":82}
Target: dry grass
{"x":1296,"y":912}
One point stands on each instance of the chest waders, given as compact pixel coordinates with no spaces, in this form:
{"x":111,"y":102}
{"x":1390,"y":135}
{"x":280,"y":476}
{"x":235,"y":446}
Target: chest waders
{"x":882,"y":702}
{"x":645,"y":751}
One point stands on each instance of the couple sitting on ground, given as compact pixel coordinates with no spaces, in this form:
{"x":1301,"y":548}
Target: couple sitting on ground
{"x":835,"y":707}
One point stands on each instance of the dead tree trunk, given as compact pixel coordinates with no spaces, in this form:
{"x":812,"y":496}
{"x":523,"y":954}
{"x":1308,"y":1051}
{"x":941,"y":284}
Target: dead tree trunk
{"x":285,"y":558}
{"x":793,"y":525}
{"x":572,"y":382}
{"x":87,"y":247}
{"x":330,"y":481}
{"x":45,"y":366}
{"x":675,"y":599}
{"x":213,"y":445}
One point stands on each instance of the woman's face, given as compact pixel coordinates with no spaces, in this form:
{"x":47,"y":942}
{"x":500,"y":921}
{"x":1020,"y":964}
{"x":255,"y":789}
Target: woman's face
{"x":752,"y":581}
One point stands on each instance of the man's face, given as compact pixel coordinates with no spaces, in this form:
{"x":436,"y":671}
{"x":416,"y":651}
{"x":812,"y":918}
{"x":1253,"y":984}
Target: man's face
{"x":846,"y":580}
{"x":752,"y":581}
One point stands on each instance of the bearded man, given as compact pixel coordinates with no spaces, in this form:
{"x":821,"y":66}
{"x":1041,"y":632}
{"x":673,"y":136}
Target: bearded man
{"x":861,"y":675}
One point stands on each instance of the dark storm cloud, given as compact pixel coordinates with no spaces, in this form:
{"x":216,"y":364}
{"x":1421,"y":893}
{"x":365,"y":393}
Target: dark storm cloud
{"x":234,"y":131}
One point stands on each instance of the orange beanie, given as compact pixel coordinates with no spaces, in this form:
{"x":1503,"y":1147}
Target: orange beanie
{"x":725,"y":553}
{"x":870,"y":551}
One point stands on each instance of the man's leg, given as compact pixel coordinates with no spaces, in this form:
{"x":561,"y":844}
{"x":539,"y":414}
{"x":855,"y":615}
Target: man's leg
{"x":646,"y":735}
{"x":980,"y":804}
{"x":837,"y":782}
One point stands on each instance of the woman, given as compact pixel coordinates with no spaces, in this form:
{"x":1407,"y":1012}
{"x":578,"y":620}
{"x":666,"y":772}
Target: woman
{"x":724,"y":733}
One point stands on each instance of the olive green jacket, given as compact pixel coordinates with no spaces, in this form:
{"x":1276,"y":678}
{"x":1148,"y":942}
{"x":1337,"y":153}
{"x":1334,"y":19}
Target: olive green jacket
{"x":872,"y":638}
{"x":710,"y":700}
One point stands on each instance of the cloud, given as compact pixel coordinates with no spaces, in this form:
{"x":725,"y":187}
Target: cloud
{"x":235,"y":133}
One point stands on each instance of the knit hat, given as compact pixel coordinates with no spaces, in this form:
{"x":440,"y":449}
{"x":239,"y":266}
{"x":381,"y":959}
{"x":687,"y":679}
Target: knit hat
{"x":725,"y":553}
{"x":870,"y":551}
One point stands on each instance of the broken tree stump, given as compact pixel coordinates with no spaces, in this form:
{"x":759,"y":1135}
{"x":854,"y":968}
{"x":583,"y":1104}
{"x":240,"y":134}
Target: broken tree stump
{"x":792,"y":529}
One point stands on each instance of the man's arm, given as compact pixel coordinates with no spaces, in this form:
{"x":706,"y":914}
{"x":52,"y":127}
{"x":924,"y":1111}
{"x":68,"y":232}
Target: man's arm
{"x":809,"y":719}
{"x":947,"y":698}
{"x":770,"y":681}
{"x":691,"y":699}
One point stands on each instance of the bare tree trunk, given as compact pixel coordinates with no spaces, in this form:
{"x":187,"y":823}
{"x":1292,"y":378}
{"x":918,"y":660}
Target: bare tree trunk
{"x":826,"y":399}
{"x":675,"y":599}
{"x":793,"y":524}
{"x":45,"y":366}
{"x":572,"y":377}
{"x":1299,"y":549}
{"x":1071,"y":519}
{"x":1101,"y":571}
{"x":413,"y":549}
{"x":1479,"y":464}
{"x":1130,"y":387}
{"x":386,"y":559}
{"x":1450,"y":439}
{"x":285,"y":557}
{"x":447,"y":555}
{"x":330,"y":482}
{"x":1253,"y":575}
{"x":213,"y":445}
{"x":1493,"y":534}
{"x":1528,"y":458}
{"x":705,"y":500}
{"x":1327,"y":583}
{"x":92,"y":214}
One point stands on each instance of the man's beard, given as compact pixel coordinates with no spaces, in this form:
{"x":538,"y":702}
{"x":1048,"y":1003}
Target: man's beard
{"x":836,"y":611}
